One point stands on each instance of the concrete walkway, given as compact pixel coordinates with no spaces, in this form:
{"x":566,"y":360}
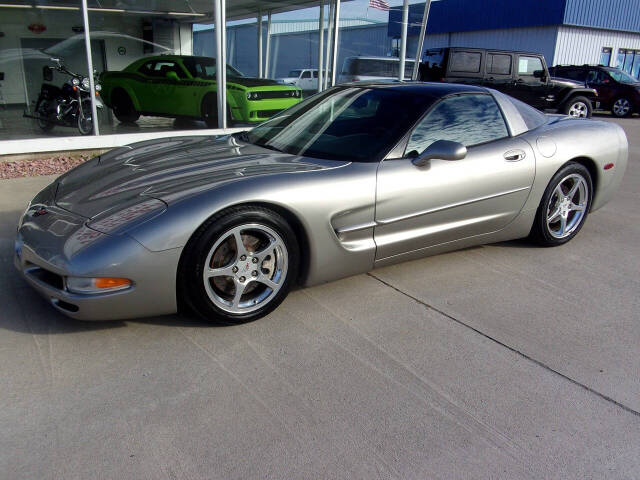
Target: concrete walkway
{"x":504,"y":361}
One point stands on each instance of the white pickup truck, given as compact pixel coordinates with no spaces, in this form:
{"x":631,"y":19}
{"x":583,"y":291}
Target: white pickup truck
{"x":304,"y":78}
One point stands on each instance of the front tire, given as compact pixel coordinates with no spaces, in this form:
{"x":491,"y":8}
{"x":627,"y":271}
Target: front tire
{"x":621,"y":107}
{"x":123,"y":107}
{"x":239,"y":265}
{"x":578,"y":107}
{"x":564,"y":206}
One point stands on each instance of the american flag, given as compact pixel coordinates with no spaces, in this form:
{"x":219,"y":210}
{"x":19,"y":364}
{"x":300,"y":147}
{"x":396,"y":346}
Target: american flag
{"x":379,"y":4}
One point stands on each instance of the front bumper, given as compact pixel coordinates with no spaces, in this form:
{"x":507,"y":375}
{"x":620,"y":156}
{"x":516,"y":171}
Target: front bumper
{"x":51,"y":247}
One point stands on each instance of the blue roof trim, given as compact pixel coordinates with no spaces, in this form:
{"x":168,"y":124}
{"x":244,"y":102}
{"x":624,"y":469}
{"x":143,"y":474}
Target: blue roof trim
{"x":468,"y":15}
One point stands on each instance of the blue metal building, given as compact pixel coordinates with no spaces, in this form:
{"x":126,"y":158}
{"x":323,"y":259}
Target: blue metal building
{"x":565,"y":31}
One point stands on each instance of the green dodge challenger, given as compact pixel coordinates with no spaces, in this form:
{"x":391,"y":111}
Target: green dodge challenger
{"x":185,"y":86}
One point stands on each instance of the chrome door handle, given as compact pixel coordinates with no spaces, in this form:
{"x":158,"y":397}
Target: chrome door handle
{"x":514,"y":155}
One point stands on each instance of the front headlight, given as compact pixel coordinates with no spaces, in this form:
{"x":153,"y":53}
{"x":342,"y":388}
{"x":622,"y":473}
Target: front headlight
{"x":75,"y":81}
{"x":253,"y":96}
{"x":85,"y":83}
{"x":119,"y":221}
{"x":98,"y":87}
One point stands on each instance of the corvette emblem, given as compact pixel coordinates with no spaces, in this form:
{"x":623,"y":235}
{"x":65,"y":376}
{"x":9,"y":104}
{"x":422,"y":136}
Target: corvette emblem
{"x":39,"y":212}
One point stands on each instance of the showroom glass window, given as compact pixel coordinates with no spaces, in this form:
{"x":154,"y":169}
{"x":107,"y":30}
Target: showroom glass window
{"x":605,"y":56}
{"x":31,"y":37}
{"x":467,"y":119}
{"x":139,"y":53}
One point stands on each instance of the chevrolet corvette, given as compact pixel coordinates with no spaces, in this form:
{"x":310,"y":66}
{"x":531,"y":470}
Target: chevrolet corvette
{"x":350,"y":179}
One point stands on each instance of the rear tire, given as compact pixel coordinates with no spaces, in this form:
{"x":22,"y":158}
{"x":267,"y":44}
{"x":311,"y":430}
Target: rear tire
{"x":564,"y":206}
{"x":42,"y":112}
{"x":220,"y":280}
{"x":123,"y":107}
{"x":621,"y":107}
{"x":578,"y":107}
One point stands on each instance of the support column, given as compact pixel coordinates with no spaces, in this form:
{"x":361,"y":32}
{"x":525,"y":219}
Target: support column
{"x":420,"y":46}
{"x":329,"y":39}
{"x":336,"y":31}
{"x":92,"y":84}
{"x":260,"y":45}
{"x":221,"y":61}
{"x":320,"y":45}
{"x":268,"y":46}
{"x":403,"y":39}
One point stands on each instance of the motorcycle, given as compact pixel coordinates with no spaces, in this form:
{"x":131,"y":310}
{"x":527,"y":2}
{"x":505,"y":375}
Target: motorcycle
{"x":69,"y":106}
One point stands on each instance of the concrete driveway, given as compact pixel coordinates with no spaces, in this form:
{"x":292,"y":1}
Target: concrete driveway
{"x":504,"y":361}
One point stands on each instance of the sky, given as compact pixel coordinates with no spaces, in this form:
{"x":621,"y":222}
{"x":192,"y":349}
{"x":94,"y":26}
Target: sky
{"x":348,"y":9}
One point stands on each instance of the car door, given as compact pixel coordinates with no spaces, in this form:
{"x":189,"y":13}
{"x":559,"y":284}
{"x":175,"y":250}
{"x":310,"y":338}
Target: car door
{"x":529,"y":86}
{"x":499,"y":71}
{"x":306,"y":82}
{"x":606,"y":87}
{"x":420,"y":207}
{"x":163,"y":91}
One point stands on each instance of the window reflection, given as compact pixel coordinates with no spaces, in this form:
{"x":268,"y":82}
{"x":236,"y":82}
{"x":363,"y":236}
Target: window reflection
{"x":467,"y":119}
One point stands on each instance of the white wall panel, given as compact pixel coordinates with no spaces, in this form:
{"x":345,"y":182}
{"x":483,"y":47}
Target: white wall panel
{"x":577,"y":45}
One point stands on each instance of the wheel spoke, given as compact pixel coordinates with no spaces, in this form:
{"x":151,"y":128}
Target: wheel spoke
{"x":265,"y":280}
{"x":574,"y":188}
{"x":239,"y":291}
{"x":273,"y":243}
{"x":553,"y":216}
{"x":563,"y":224}
{"x":576,"y":208}
{"x":240,"y":248}
{"x":559,"y":192}
{"x":219,"y":272}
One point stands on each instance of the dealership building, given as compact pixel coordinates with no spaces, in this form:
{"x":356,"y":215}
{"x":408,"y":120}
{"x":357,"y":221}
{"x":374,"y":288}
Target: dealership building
{"x":571,"y":32}
{"x":111,"y":34}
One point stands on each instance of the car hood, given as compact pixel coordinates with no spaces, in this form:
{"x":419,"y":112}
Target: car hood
{"x":566,"y":82}
{"x":252,"y":82}
{"x":167,"y":170}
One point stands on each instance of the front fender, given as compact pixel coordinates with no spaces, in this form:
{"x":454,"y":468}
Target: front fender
{"x":590,"y":93}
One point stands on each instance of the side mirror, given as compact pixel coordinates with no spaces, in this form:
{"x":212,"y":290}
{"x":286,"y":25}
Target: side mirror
{"x":172,"y":76}
{"x":441,"y":150}
{"x":47,"y":74}
{"x":540,"y":74}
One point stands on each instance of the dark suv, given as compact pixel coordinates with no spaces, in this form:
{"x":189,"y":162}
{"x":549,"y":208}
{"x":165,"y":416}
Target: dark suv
{"x":617,"y":90}
{"x":522,"y":75}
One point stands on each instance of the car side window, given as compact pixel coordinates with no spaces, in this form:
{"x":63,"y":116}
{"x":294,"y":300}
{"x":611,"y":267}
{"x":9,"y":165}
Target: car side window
{"x":498,"y":64}
{"x":306,"y":74}
{"x":465,"y":62}
{"x":468,"y":119}
{"x":315,"y":74}
{"x":528,"y":65}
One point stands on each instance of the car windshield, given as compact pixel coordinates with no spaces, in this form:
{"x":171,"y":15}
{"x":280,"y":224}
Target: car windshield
{"x":622,"y":77}
{"x":206,"y":68}
{"x":347,"y":123}
{"x":295,"y":73}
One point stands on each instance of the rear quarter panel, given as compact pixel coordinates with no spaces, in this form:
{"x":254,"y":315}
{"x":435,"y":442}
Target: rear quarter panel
{"x":593,"y":143}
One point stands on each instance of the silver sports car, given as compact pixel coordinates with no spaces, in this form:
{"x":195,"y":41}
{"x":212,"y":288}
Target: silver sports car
{"x":356,"y":177}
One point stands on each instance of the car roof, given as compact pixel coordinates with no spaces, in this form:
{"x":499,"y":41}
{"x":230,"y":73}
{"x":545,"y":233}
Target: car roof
{"x":388,"y":59}
{"x":433,"y":89}
{"x":492,"y":50}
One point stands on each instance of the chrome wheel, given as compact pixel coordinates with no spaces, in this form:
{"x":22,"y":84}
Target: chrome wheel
{"x":245,"y":268}
{"x":567,"y":206}
{"x":578,"y":110}
{"x":621,"y":107}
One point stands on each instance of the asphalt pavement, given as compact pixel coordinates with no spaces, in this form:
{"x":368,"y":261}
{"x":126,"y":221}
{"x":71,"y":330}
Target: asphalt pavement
{"x":502,"y":361}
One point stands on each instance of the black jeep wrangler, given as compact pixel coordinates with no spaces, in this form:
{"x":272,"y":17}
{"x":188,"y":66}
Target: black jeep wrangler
{"x":520,"y":74}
